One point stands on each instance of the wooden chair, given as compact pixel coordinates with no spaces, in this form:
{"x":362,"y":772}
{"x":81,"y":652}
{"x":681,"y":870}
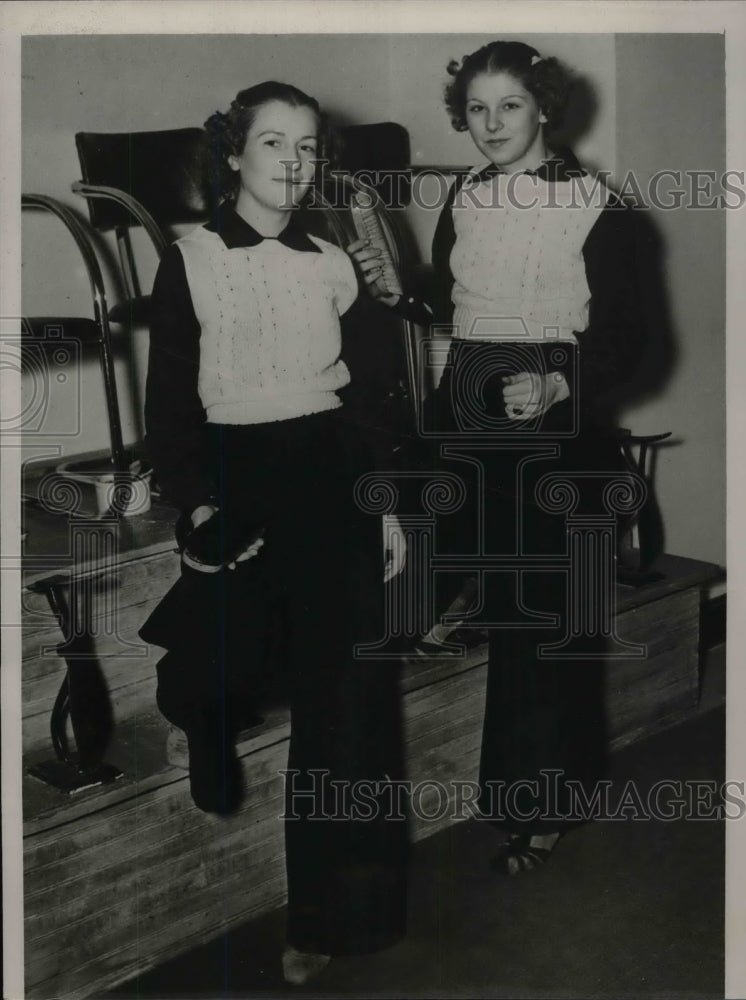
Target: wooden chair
{"x":634,"y":566}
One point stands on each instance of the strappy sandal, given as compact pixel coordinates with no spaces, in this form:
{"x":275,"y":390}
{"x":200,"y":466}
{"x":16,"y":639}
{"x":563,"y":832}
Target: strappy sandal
{"x":468,"y":637}
{"x":518,"y":854}
{"x":300,"y":966}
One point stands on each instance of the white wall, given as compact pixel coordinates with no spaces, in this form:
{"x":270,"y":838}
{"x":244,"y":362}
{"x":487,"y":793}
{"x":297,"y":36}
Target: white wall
{"x":641,"y":83}
{"x":670,"y":100}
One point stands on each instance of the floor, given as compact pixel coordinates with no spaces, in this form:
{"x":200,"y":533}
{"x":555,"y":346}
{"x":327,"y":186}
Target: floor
{"x":630,"y":907}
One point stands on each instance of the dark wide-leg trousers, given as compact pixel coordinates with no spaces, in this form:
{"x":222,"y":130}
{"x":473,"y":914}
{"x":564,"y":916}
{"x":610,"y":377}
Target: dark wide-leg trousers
{"x":543,"y":742}
{"x":312,"y":593}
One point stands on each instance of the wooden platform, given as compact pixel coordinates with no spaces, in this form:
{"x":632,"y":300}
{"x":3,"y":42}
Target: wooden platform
{"x":120,"y":878}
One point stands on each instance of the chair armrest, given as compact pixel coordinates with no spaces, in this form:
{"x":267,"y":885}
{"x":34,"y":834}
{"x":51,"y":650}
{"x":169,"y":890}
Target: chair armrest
{"x":101,"y":312}
{"x":79,"y":234}
{"x":137,"y":210}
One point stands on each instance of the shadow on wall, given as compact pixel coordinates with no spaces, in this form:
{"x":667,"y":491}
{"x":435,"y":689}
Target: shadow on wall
{"x":657,"y":361}
{"x":581,"y":110}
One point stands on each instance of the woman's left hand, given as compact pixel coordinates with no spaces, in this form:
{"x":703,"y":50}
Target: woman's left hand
{"x":529,"y":394}
{"x":394,"y":547}
{"x":248,"y":553}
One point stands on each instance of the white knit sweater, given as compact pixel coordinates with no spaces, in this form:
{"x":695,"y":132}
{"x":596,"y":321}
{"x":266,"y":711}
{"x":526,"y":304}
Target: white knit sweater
{"x":270,"y":335}
{"x":517,"y":261}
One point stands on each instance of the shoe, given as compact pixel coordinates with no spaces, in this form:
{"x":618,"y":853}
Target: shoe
{"x":471,"y":638}
{"x":523,"y":852}
{"x":300,"y":966}
{"x":177,"y":749}
{"x":214,"y":770}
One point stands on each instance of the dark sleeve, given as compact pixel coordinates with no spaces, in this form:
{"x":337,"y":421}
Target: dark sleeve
{"x":611,"y":347}
{"x":442,"y":277}
{"x":174,"y":415}
{"x":413,"y":307}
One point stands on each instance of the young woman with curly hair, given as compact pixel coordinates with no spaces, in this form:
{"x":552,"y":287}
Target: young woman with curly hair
{"x":535,"y":270}
{"x":246,"y":435}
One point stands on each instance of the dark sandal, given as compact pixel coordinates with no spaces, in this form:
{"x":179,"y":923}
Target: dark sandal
{"x":471,"y":638}
{"x":519,"y":855}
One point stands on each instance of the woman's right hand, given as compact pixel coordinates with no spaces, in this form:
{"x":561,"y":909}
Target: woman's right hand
{"x":203,"y":513}
{"x":369,"y":262}
{"x":198,"y":516}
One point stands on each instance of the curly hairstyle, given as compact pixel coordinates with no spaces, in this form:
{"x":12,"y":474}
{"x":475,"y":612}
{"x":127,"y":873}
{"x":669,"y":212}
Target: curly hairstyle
{"x":226,"y":133}
{"x":546,"y":79}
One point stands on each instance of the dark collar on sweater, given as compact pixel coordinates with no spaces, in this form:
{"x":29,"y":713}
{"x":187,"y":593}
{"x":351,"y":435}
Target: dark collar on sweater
{"x":236,"y":232}
{"x":561,"y":167}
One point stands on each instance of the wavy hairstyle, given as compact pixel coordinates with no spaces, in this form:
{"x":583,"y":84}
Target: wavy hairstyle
{"x":546,"y":79}
{"x":225,"y":133}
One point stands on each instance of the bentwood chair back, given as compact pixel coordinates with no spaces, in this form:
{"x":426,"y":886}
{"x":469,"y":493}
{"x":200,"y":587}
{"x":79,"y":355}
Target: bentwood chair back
{"x":46,"y":333}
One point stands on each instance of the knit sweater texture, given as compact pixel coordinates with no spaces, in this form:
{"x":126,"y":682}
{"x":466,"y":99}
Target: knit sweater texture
{"x":270,"y":334}
{"x":517,"y":261}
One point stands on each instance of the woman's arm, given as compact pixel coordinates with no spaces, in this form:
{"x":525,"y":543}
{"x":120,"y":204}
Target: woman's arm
{"x":441,"y":282}
{"x":616,"y":254}
{"x":174,"y":416}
